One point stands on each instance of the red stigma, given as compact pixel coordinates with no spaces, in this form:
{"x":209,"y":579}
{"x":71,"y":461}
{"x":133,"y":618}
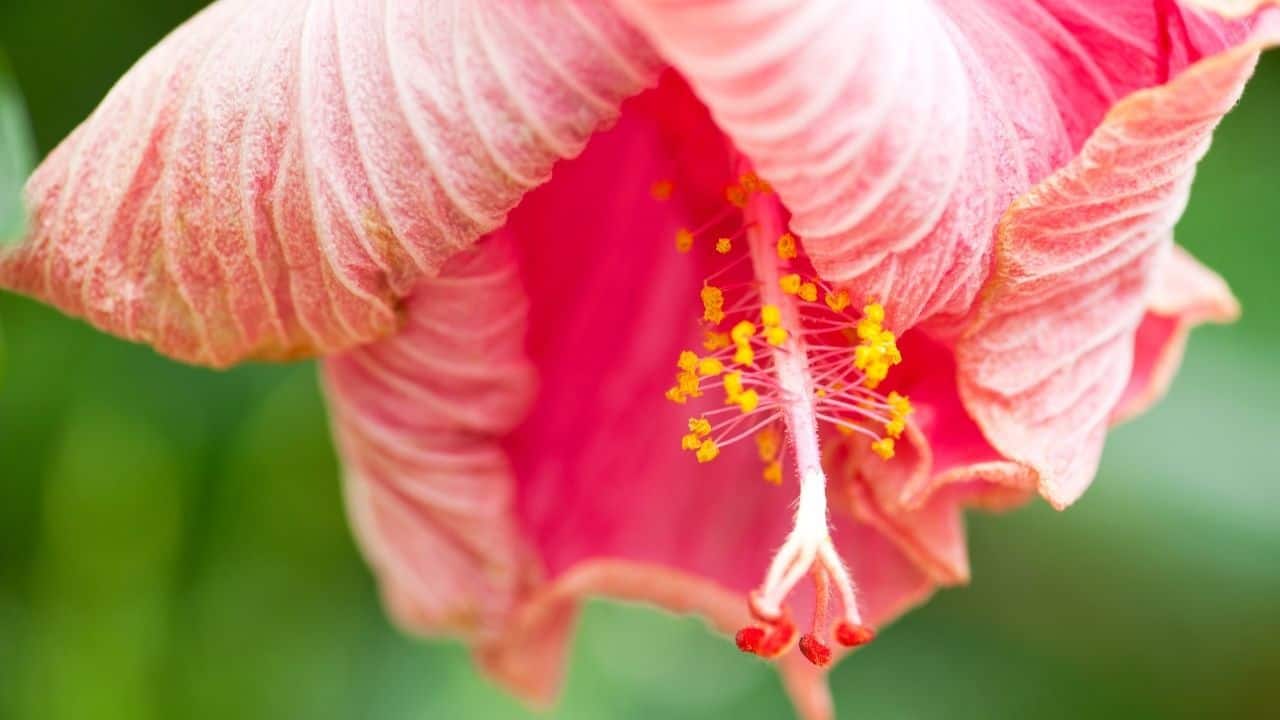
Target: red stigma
{"x":779,"y":640}
{"x":815,"y":651}
{"x":851,"y":635}
{"x":770,"y":642}
{"x":749,"y":639}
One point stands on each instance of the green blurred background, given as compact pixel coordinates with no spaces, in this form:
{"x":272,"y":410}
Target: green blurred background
{"x":172,"y":541}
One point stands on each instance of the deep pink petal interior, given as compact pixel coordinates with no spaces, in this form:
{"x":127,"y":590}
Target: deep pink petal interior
{"x":599,"y":467}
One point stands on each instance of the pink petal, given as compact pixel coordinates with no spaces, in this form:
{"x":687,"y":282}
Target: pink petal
{"x":419,"y":420}
{"x":1051,"y":350}
{"x":596,"y":497}
{"x":943,"y":466}
{"x":898,"y":132}
{"x":1184,"y":294}
{"x":273,"y":177}
{"x":959,"y":453}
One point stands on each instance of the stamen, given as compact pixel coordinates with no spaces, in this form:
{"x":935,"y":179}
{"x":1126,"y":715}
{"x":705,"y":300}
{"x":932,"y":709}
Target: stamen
{"x":813,"y":648}
{"x":684,"y":240}
{"x":851,"y":635}
{"x":787,"y":247}
{"x":837,"y":301}
{"x":661,"y":190}
{"x":814,"y":651}
{"x":793,"y":353}
{"x":749,"y":639}
{"x":716,"y":340}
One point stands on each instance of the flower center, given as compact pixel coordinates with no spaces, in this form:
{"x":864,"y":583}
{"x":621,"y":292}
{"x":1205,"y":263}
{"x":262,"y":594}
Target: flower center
{"x":807,"y":363}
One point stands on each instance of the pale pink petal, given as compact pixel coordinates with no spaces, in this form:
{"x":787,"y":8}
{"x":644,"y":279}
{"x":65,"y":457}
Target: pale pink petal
{"x":274,"y":176}
{"x":898,"y":132}
{"x":959,"y":454}
{"x":1184,"y":294}
{"x":419,"y":419}
{"x":1051,"y":350}
{"x":943,"y":465}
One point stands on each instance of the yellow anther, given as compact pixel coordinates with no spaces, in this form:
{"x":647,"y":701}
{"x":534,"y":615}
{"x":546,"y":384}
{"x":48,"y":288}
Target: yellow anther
{"x":700,"y":426}
{"x":712,"y":304}
{"x":874,"y":312}
{"x":684,"y":240}
{"x":736,"y":195}
{"x":900,"y":404}
{"x":742,"y":332}
{"x":844,"y":430}
{"x":775,"y":336}
{"x":838,"y":300}
{"x":715,"y":340}
{"x":724,"y":245}
{"x":877,"y":350}
{"x":808,"y":292}
{"x":710,"y":367}
{"x":790,"y":284}
{"x":753,"y":183}
{"x":895,"y":427}
{"x":707,"y":451}
{"x":876,"y":373}
{"x":768,"y":443}
{"x":862,"y":356}
{"x":787,"y":246}
{"x":732,"y":387}
{"x":899,"y":408}
{"x":773,"y":473}
{"x":687,"y":383}
{"x":878,"y":370}
{"x":712,"y":296}
{"x":883,"y":447}
{"x":690,"y":442}
{"x":676,"y":396}
{"x":687,"y":361}
{"x":661,"y":190}
{"x":894,"y":355}
{"x":744,"y":355}
{"x":820,"y":392}
{"x":748,"y":401}
{"x":770,"y":316}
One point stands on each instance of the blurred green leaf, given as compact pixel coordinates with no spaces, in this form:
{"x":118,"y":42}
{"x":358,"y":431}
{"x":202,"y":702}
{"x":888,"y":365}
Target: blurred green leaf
{"x":110,"y":538}
{"x":17,"y":155}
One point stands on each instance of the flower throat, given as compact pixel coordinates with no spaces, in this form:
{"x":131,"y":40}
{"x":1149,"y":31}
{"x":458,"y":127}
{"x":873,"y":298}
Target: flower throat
{"x":783,"y":357}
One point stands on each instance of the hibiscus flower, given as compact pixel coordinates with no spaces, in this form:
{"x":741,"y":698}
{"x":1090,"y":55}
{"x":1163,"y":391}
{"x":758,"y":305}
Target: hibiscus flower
{"x":900,"y":258}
